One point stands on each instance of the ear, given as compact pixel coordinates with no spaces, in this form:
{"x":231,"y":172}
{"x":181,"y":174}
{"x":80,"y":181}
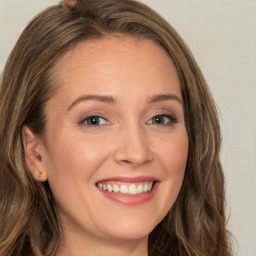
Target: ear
{"x":32,"y":144}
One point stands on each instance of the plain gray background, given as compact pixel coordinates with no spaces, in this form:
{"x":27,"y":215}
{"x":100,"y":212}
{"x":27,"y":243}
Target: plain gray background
{"x":222,"y":37}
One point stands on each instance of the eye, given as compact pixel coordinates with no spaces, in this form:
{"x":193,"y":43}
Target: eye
{"x":162,"y":120}
{"x":95,"y":120}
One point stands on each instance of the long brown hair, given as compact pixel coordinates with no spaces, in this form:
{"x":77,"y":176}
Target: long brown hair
{"x":195,"y":225}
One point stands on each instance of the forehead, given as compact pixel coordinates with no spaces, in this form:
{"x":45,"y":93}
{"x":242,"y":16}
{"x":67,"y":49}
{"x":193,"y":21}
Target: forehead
{"x":118,"y":60}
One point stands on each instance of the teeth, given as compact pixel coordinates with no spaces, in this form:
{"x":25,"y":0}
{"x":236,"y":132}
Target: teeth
{"x":109,"y":187}
{"x":124,"y":189}
{"x":140,"y":189}
{"x":100,"y":185}
{"x":133,"y":189}
{"x":116,"y":189}
{"x":150,"y":185}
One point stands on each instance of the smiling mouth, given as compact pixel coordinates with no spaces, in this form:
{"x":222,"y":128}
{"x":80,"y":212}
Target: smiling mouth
{"x":126,"y":188}
{"x":130,"y":191}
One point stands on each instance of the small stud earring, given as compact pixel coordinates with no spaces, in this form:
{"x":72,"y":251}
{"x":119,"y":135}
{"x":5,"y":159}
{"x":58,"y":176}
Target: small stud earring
{"x":40,"y":174}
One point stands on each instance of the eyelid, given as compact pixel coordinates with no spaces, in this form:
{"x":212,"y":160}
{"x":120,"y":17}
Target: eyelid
{"x":160,"y":112}
{"x":172,"y":119}
{"x":83,"y":120}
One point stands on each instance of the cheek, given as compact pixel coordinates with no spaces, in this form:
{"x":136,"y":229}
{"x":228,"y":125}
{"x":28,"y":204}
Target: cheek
{"x":72,"y":163}
{"x":74,"y":155}
{"x":177,"y":161}
{"x":173,"y":155}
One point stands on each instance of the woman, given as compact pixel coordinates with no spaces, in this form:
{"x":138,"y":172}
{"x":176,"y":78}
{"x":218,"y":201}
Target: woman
{"x":109,"y":138}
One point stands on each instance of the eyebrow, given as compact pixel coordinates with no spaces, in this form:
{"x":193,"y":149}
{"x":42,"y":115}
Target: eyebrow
{"x":110,"y":99}
{"x":83,"y":98}
{"x":165,"y":97}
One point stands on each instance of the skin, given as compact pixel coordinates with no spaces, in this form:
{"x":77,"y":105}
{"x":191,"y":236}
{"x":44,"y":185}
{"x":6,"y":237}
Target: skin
{"x":73,"y":155}
{"x":71,"y":3}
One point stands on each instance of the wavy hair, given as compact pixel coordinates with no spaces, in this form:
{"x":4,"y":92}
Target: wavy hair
{"x":195,"y":225}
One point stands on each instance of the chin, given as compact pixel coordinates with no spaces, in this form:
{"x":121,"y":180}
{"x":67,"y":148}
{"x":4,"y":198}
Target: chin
{"x":129,"y":229}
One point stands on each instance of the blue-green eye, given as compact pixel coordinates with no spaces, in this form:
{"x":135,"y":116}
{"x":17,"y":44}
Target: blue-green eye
{"x":162,"y":120}
{"x":95,"y":120}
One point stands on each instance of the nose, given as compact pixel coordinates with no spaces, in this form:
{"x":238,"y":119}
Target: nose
{"x":132,"y":148}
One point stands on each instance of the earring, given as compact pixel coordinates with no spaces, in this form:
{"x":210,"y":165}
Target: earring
{"x":40,"y":174}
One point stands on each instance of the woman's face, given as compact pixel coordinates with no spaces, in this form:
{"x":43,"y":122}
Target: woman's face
{"x":116,"y":123}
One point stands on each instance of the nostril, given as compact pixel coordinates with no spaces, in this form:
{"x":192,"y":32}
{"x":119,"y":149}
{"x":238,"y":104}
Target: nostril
{"x":126,"y":162}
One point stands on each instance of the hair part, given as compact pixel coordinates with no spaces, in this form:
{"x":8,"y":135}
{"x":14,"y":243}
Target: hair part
{"x":29,"y":225}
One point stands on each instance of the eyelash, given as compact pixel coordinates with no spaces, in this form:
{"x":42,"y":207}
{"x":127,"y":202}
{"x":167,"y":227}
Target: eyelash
{"x":170,"y":120}
{"x":95,"y":117}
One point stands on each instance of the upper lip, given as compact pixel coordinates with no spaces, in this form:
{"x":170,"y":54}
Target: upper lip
{"x":130,"y":179}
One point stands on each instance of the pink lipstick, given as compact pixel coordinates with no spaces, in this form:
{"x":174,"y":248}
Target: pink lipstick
{"x":129,"y":190}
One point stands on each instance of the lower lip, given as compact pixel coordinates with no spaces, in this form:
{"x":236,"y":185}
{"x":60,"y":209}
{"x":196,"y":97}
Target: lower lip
{"x":127,"y":199}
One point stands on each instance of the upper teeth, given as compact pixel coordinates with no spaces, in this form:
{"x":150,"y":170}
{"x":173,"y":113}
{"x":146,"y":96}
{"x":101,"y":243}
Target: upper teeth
{"x":132,"y":189}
